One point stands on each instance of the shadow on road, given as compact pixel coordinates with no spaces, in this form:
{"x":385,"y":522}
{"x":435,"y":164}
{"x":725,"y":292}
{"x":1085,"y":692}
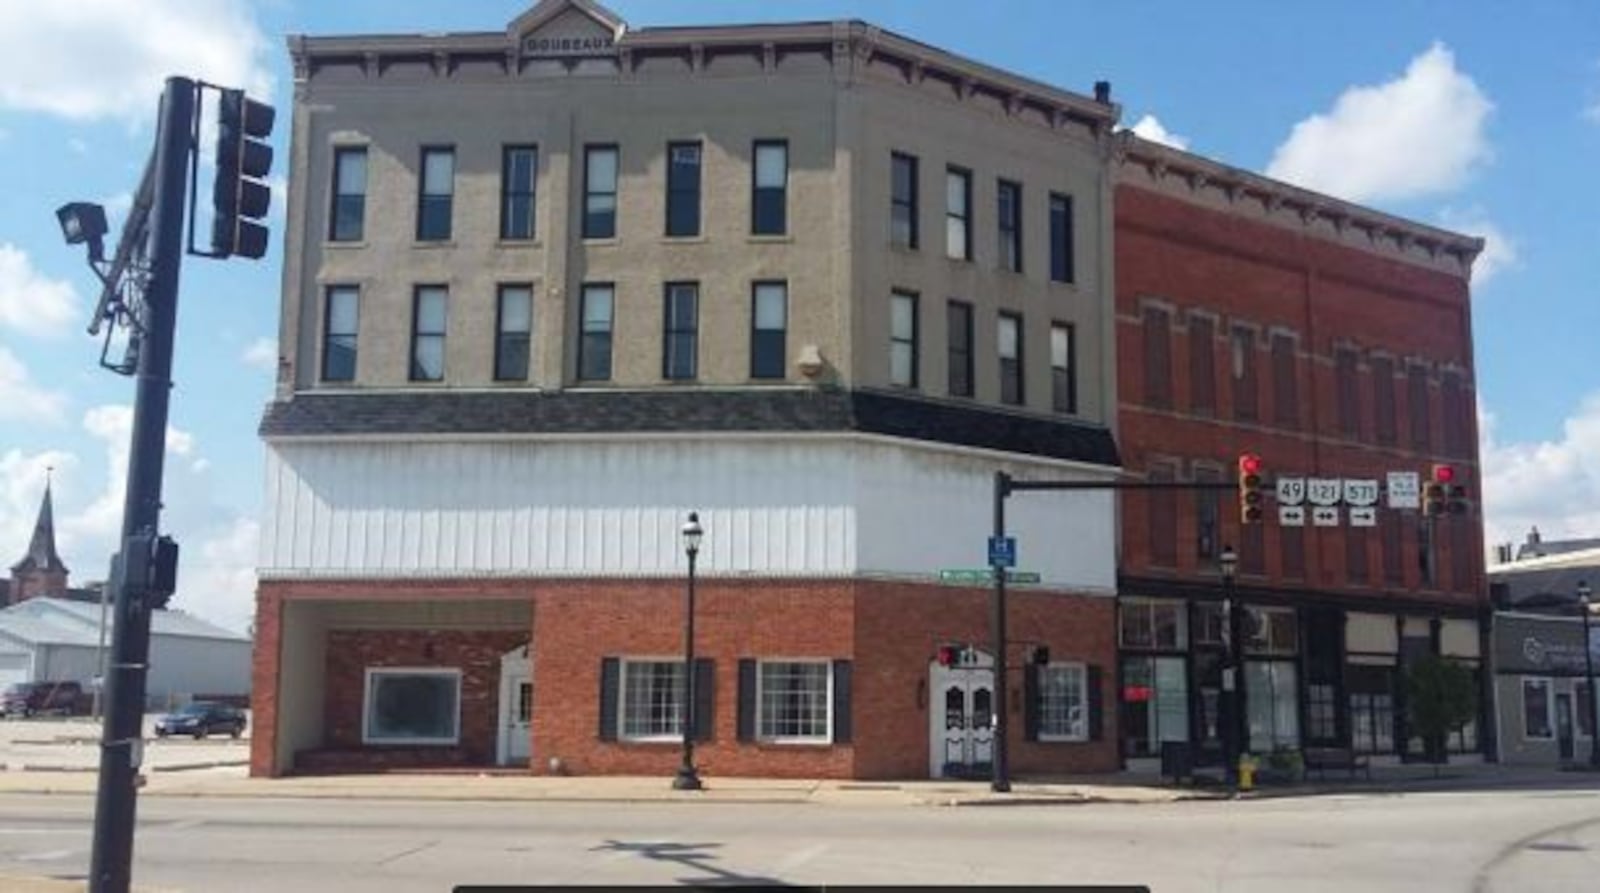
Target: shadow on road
{"x":698,"y":856}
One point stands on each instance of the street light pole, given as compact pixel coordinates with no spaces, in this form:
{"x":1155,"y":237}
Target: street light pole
{"x":688,"y":778}
{"x":1228,"y":562}
{"x":1584,"y":598}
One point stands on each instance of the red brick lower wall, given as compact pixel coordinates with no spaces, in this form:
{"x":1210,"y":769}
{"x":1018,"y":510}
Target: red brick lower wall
{"x":889,"y":630}
{"x":476,"y":653}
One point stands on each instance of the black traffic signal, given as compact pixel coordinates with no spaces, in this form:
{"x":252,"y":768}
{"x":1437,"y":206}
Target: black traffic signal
{"x":240,"y":197}
{"x":1436,"y":492}
{"x":1250,"y":497}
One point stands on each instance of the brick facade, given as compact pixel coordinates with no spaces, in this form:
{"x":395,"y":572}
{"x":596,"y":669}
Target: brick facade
{"x":1186,"y":261}
{"x":888,"y":630}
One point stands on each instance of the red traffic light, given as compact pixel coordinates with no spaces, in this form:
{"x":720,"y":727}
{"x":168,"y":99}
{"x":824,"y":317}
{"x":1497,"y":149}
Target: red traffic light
{"x":1444,"y":474}
{"x":947,"y":655}
{"x":1249,"y":463}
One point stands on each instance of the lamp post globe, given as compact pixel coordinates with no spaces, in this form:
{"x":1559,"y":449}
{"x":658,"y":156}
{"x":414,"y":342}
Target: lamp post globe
{"x":688,"y":777}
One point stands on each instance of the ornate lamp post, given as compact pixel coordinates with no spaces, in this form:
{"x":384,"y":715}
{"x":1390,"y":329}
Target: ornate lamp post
{"x":688,"y":778}
{"x":1232,"y":672}
{"x":1585,"y":595}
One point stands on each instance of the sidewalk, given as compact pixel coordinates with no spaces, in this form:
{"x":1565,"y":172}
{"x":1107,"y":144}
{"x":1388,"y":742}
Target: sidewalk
{"x":231,"y":781}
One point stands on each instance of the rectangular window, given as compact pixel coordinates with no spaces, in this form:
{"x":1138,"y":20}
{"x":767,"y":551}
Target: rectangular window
{"x":1163,"y":520}
{"x":903,"y":339}
{"x":412,"y":706}
{"x":599,"y":192}
{"x":1009,"y":332}
{"x":1149,"y":624}
{"x":795,"y":699}
{"x":958,"y":319}
{"x":519,"y":171}
{"x":1272,"y":703}
{"x":1276,"y":631}
{"x":437,"y":195}
{"x":1421,"y":422}
{"x":1062,"y":261}
{"x":1202,"y":365}
{"x":427,"y":333}
{"x":1244,"y":375}
{"x":1355,"y":554}
{"x":1371,"y":708}
{"x":769,"y":198}
{"x":903,"y":223}
{"x":1207,"y":514}
{"x":1157,"y":358}
{"x":1344,"y":374}
{"x":1285,"y":381}
{"x":681,"y":332}
{"x":652,"y":700}
{"x":1155,"y":703}
{"x":1383,"y":400}
{"x":339,"y":326}
{"x":347,"y":221}
{"x":1009,"y":198}
{"x":1322,"y":723}
{"x":513,"y":333}
{"x":1452,"y":407}
{"x":1292,"y":542}
{"x":683,"y":189}
{"x":1063,"y":703}
{"x":594,"y":342}
{"x":1063,"y":367}
{"x":1393,"y":560}
{"x":769,"y":329}
{"x":1536,"y":709}
{"x":958,"y":213}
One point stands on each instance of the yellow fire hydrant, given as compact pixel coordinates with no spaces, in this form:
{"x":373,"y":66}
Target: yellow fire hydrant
{"x":1247,"y":772}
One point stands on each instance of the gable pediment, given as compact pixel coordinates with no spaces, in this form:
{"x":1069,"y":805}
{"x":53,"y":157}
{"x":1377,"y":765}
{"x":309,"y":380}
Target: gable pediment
{"x":567,"y":28}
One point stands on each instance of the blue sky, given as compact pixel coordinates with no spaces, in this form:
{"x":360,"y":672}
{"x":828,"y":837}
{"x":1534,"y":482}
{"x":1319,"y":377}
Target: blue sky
{"x":1480,"y":116}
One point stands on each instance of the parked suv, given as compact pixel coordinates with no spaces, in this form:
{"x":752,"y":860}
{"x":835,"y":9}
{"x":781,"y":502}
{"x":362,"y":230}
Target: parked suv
{"x":201,"y":719}
{"x":28,"y":698}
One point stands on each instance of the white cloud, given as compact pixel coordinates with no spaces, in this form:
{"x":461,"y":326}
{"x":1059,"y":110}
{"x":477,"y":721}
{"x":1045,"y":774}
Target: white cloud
{"x":217,"y":579}
{"x":22,"y":478}
{"x":22,"y":399}
{"x":1592,"y":113}
{"x":96,"y":59}
{"x":261,"y":354}
{"x":30,"y":302}
{"x":1499,"y":250}
{"x":1419,"y":134}
{"x":113,"y":425}
{"x":1554,"y":484}
{"x":1150,"y":128}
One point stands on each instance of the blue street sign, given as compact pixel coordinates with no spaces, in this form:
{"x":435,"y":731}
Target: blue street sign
{"x":1002,"y":551}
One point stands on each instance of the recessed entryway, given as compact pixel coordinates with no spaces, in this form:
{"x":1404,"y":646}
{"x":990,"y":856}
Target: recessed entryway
{"x":961,"y":716}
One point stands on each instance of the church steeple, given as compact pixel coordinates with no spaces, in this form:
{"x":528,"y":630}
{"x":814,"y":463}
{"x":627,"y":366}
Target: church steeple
{"x":41,"y":571}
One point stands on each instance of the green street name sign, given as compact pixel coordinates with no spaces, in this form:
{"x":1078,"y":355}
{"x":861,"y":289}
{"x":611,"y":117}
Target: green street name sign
{"x":985,"y":577}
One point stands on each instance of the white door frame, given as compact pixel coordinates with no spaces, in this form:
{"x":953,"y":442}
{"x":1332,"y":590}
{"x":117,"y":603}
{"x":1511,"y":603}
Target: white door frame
{"x":978,"y":671}
{"x":514,"y":664}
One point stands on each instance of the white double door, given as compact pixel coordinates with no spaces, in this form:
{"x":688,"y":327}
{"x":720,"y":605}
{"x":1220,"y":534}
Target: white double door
{"x":961,"y":718}
{"x":516,"y":708}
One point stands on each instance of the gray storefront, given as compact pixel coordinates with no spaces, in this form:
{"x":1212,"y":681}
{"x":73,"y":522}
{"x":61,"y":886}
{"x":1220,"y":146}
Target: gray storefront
{"x":1546,"y":712}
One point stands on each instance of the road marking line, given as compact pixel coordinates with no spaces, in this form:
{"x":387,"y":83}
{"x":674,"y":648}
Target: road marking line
{"x":796,"y":859}
{"x":43,"y":856}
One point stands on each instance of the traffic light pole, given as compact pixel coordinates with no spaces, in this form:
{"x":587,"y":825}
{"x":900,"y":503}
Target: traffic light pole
{"x":1004,"y":486}
{"x":121,"y":744}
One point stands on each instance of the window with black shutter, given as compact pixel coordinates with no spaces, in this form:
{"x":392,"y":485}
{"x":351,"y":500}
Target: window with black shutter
{"x":1157,"y":358}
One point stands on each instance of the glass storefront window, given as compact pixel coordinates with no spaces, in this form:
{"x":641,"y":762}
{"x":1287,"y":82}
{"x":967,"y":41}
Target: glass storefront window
{"x":1274,"y":631}
{"x":1155,"y":703}
{"x":1371,"y":708}
{"x":1272,"y":705}
{"x":1153,"y":624}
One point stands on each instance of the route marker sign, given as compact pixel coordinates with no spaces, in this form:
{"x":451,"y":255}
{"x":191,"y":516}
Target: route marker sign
{"x":1325,"y":516}
{"x":1324,"y":491}
{"x":1364,"y":516}
{"x":1405,"y":490}
{"x":1360,"y":492}
{"x":1292,"y":515}
{"x":1002,"y":551}
{"x":1291,"y":491}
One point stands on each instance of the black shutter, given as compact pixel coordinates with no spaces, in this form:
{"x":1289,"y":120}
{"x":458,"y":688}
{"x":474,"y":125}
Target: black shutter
{"x":1096,"y":705}
{"x":841,"y":702}
{"x":747,"y":699}
{"x":610,"y":674}
{"x":705,"y":691}
{"x":1030,"y":703}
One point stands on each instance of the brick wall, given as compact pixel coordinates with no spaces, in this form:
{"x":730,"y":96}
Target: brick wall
{"x":1328,"y":295}
{"x":476,"y":653}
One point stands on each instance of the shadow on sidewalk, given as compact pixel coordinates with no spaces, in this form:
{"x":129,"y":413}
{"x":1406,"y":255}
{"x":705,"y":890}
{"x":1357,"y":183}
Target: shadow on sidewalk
{"x":691,"y":855}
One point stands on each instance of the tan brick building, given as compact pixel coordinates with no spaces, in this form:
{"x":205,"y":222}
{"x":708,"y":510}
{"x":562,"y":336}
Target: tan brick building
{"x":550,"y":288}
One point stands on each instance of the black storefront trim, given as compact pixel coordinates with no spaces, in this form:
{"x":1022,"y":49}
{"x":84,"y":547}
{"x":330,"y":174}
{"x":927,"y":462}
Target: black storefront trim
{"x":1276,"y":596}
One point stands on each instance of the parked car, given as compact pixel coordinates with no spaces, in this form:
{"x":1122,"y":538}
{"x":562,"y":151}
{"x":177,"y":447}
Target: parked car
{"x":28,"y":698}
{"x":200,"y":719}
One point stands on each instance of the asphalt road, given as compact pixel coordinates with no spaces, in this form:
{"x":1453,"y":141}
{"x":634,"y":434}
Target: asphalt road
{"x":1500,"y":841}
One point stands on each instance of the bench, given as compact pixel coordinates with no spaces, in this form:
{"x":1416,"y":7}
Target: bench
{"x":1321,"y":759}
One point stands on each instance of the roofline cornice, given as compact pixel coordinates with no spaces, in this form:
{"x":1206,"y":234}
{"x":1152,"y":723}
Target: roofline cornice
{"x":1156,"y":156}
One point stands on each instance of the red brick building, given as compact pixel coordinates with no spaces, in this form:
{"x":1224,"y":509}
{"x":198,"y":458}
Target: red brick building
{"x":1335,"y":342}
